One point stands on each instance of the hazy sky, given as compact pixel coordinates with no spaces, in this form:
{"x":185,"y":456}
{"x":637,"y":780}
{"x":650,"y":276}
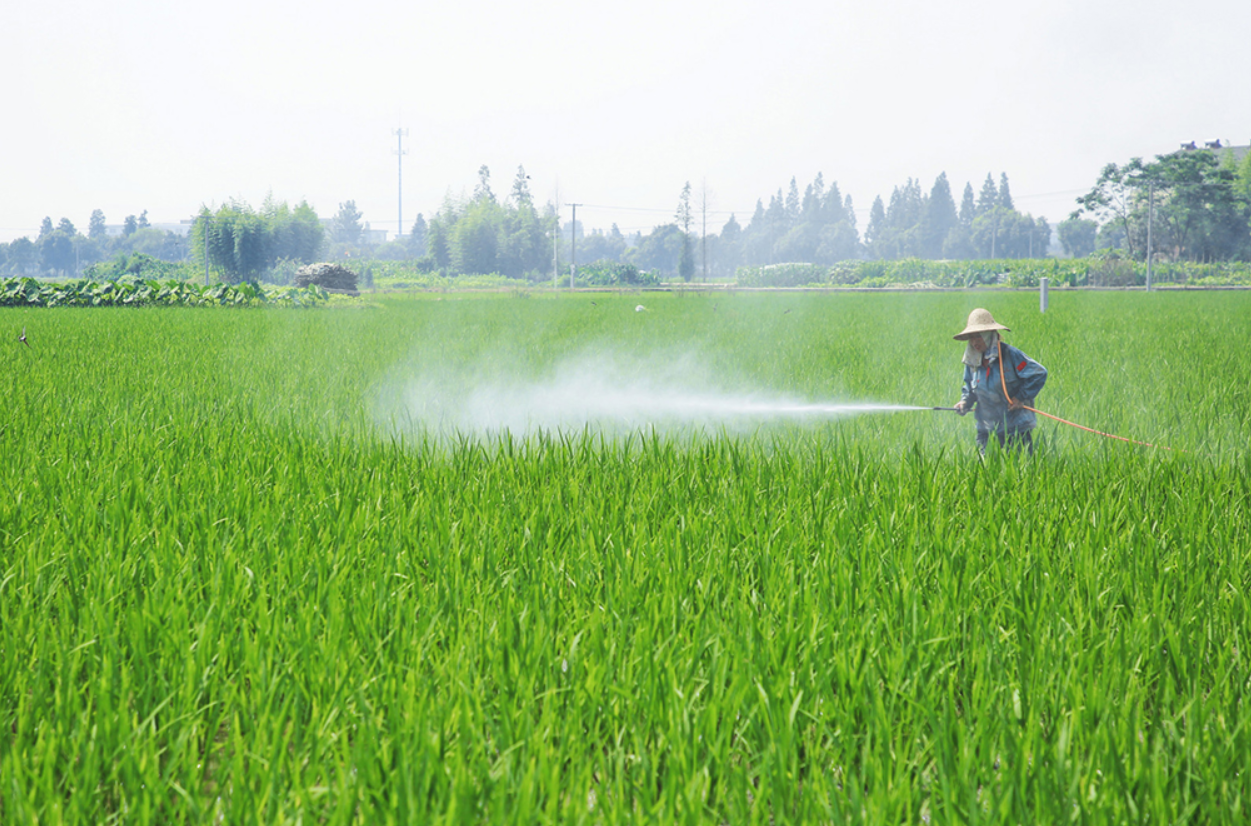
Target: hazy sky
{"x":165,"y":106}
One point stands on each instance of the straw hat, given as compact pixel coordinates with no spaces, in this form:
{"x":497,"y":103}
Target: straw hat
{"x":980,"y":321}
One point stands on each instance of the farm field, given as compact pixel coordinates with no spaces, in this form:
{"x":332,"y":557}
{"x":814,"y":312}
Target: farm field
{"x":279,"y":566}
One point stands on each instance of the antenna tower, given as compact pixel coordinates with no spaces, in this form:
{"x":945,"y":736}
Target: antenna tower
{"x":400,"y":152}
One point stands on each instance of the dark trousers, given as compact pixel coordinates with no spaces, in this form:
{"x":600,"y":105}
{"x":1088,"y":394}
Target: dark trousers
{"x":1014,"y":440}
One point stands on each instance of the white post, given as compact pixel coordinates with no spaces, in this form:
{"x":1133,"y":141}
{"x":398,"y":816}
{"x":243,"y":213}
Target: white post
{"x":1042,"y":295}
{"x":573,"y":246}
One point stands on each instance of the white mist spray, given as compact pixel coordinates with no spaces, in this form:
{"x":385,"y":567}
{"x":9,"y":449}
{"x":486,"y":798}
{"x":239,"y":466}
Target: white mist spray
{"x":607,"y":394}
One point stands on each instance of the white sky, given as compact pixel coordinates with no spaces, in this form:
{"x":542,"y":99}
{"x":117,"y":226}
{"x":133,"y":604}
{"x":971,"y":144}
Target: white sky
{"x":164,"y":106}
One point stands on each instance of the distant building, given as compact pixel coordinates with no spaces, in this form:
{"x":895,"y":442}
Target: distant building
{"x":1222,"y":149}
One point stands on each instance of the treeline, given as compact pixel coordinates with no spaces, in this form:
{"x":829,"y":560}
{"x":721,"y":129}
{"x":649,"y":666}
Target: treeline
{"x":243,"y":243}
{"x":62,"y":249}
{"x":818,"y":226}
{"x":484,"y":235}
{"x":920,"y":225}
{"x":1195,"y":204}
{"x":1103,"y":268}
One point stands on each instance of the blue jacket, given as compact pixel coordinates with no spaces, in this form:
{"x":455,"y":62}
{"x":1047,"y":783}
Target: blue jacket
{"x":1024,"y":377}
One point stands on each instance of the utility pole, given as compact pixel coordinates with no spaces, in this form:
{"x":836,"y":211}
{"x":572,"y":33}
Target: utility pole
{"x":703,"y":232}
{"x":400,"y":152}
{"x":207,"y":218}
{"x":573,"y":246}
{"x":1150,"y":215}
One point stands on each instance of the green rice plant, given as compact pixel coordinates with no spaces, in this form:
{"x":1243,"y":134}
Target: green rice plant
{"x":238,"y":584}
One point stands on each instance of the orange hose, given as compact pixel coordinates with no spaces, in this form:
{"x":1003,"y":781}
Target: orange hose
{"x":1004,"y":384}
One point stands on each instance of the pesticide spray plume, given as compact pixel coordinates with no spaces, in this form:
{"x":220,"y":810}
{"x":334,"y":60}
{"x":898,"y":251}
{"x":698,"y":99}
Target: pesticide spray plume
{"x":609,"y":394}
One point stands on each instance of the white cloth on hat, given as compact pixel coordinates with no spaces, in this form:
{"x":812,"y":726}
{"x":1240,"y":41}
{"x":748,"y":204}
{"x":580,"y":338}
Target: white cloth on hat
{"x":973,"y":358}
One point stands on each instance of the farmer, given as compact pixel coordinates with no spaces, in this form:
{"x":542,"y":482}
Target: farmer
{"x":990,"y":368}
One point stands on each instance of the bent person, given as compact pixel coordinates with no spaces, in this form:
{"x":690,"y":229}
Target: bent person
{"x":1000,"y":384}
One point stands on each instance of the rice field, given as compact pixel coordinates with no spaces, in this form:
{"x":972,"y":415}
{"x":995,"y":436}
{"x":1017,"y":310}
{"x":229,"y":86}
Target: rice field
{"x":270,"y":566}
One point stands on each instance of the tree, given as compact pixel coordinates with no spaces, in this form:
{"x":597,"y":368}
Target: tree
{"x":1242,"y":183}
{"x":1191,"y":200}
{"x":295,"y":234}
{"x":1005,"y":197}
{"x":603,"y":246}
{"x":240,"y":242}
{"x":234,"y":240}
{"x":1077,"y":236}
{"x":989,"y":231}
{"x":1111,"y":199}
{"x":1040,"y":240}
{"x":96,"y":228}
{"x":167,"y":246}
{"x":939,"y":219}
{"x":968,"y":207}
{"x":752,"y":249}
{"x":130,"y":225}
{"x":958,"y":245}
{"x":1006,"y":233}
{"x":45,"y":227}
{"x":525,"y":248}
{"x":345,"y":227}
{"x":482,"y":192}
{"x":876,"y":230}
{"x":660,"y":250}
{"x":1198,"y":212}
{"x":23,"y":256}
{"x":521,"y":189}
{"x":66,"y":226}
{"x":799,"y":244}
{"x":475,"y":238}
{"x":56,"y":250}
{"x":771,"y":230}
{"x":988,"y":198}
{"x":437,"y":247}
{"x":686,"y":261}
{"x":143,"y":220}
{"x":524,"y":244}
{"x":792,"y":202}
{"x":88,"y":251}
{"x":417,"y":237}
{"x":902,"y":235}
{"x":837,"y":242}
{"x":728,"y":246}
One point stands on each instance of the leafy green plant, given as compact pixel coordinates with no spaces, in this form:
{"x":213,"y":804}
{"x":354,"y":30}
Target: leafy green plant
{"x":131,"y":291}
{"x":614,"y":274}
